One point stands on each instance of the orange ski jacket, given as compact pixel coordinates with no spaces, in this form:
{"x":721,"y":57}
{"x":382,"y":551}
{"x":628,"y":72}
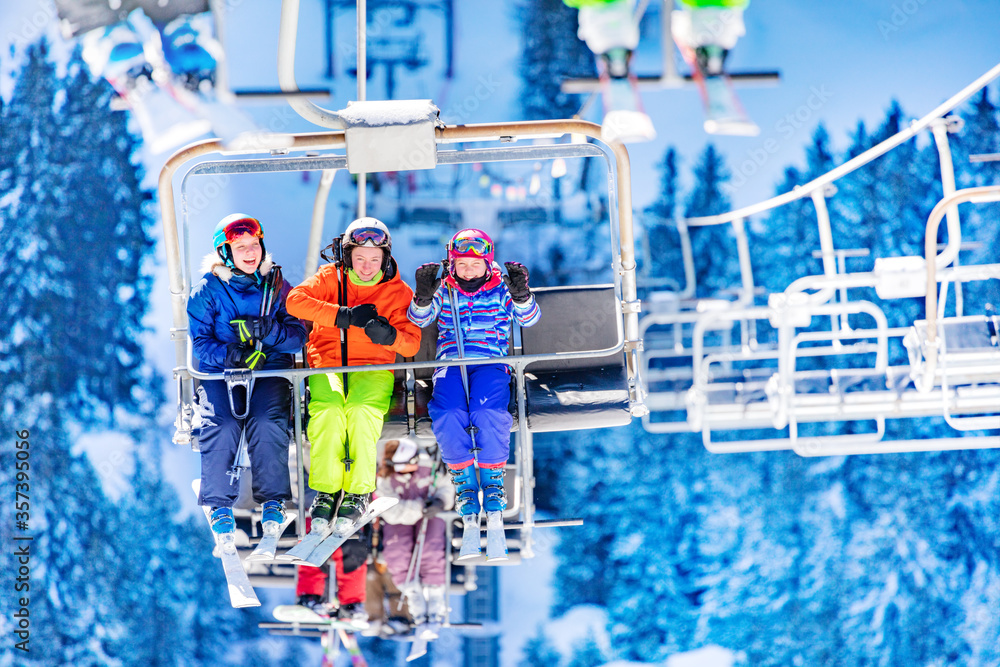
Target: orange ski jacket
{"x":317,"y":299}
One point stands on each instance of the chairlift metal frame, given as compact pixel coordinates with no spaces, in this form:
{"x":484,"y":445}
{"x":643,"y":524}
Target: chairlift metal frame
{"x":970,"y":387}
{"x":188,"y":162}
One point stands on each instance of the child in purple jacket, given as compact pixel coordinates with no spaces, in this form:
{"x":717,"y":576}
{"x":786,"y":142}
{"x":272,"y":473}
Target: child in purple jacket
{"x":411,"y":474}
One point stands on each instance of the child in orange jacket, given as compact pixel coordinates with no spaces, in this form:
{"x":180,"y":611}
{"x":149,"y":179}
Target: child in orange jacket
{"x":363,"y":316}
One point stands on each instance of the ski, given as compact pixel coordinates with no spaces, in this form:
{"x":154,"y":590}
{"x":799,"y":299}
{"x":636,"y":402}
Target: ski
{"x":625,"y":120}
{"x":241,"y":593}
{"x":269,"y":541}
{"x":322,"y":552}
{"x":496,"y":539}
{"x":297,"y":613}
{"x":418,"y":648}
{"x":723,"y":112}
{"x":471,"y":537}
{"x":306,"y":545}
{"x":350,"y":642}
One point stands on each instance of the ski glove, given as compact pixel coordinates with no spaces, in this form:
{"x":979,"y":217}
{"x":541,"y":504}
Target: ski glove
{"x":380,"y":331}
{"x":237,"y":354}
{"x":260,"y":326}
{"x":517,"y":282}
{"x":433,"y":507}
{"x":356,"y":316}
{"x":427,"y":283}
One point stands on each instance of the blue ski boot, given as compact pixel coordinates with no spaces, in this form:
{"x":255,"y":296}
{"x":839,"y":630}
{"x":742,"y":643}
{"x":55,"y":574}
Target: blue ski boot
{"x":495,"y":502}
{"x":494,"y":496}
{"x":273,"y":516}
{"x":467,"y":504}
{"x":222,"y":521}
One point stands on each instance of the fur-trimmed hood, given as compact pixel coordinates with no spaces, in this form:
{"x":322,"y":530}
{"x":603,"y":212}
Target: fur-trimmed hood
{"x":212,"y":263}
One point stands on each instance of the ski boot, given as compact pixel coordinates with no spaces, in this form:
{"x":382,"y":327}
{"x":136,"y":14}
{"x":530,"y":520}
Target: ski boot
{"x":616,"y":62}
{"x":352,"y":508}
{"x":321,"y":512}
{"x":315,"y":604}
{"x":437,"y":611}
{"x":495,"y":502}
{"x":187,"y":47}
{"x":273,"y":515}
{"x":224,"y":526}
{"x":415,"y":603}
{"x":467,"y":504}
{"x":223,"y":522}
{"x":355,"y":614}
{"x":711,"y":59}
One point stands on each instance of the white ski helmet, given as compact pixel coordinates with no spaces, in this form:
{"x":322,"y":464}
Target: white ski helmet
{"x":367,"y":232}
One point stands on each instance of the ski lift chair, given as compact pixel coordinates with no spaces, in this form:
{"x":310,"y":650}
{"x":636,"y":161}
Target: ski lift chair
{"x":559,"y":378}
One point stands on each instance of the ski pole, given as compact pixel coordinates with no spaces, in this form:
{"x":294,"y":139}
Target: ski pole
{"x":418,"y":549}
{"x":245,"y":378}
{"x":472,"y":429}
{"x":342,"y":288}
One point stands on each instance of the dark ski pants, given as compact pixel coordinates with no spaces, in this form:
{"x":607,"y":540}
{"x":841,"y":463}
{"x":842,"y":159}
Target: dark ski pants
{"x":451,"y":413}
{"x":266,"y":428}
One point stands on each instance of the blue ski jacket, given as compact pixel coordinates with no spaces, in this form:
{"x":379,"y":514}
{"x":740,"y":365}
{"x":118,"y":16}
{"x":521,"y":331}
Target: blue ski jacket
{"x":221,"y":296}
{"x":485,"y":318}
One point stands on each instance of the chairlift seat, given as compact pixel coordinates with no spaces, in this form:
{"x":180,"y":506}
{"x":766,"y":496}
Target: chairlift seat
{"x":969,"y":351}
{"x":581,"y":393}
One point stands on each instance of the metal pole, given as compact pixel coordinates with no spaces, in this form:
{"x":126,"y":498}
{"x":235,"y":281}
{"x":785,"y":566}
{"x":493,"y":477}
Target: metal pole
{"x":362,"y":80}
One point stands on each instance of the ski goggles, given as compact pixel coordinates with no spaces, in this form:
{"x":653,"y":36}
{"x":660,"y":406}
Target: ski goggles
{"x":371,"y":236}
{"x":238,"y":228}
{"x":472,"y":245}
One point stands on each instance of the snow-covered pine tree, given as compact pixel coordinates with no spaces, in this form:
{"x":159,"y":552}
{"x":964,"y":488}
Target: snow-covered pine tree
{"x":661,"y":225}
{"x":980,"y":222}
{"x":104,"y":207}
{"x":539,"y":651}
{"x":586,"y":653}
{"x":714,"y":247}
{"x":73,"y":239}
{"x":790,"y":234}
{"x":551,"y":52}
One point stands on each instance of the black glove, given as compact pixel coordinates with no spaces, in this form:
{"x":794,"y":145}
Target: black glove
{"x":433,"y":507}
{"x":237,"y":353}
{"x":356,"y":316}
{"x":259,"y":326}
{"x":517,"y":282}
{"x":380,"y":331}
{"x":427,"y":283}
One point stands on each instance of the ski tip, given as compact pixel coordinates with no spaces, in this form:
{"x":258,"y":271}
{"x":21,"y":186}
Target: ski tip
{"x":737,"y":127}
{"x":627,"y":127}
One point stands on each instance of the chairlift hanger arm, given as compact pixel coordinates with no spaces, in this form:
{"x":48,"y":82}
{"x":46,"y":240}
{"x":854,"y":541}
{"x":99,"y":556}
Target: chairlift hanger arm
{"x":851,"y":165}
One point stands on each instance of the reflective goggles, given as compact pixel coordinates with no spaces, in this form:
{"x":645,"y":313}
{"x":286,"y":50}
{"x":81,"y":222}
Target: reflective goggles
{"x":238,"y":228}
{"x":372,"y":236}
{"x":472,"y":245}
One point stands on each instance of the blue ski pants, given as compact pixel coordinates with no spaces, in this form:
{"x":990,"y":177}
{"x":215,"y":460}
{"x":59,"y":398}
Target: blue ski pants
{"x":451,"y":413}
{"x":266,"y":427}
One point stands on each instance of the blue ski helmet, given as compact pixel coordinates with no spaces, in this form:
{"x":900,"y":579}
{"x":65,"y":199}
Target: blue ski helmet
{"x":231,"y":228}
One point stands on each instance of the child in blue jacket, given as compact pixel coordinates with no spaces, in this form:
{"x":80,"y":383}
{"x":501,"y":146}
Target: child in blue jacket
{"x":487,"y":303}
{"x":225,"y":324}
